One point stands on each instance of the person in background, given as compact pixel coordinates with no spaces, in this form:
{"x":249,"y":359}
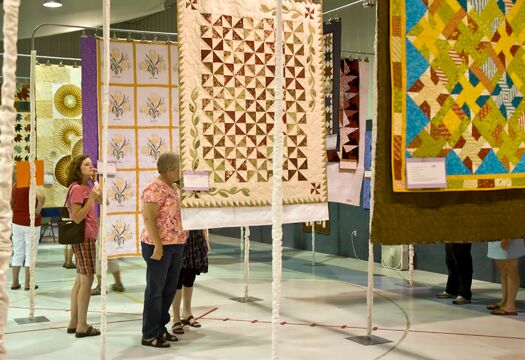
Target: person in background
{"x":21,"y":237}
{"x":460,"y":270}
{"x":506,"y":254}
{"x":114,"y":269}
{"x":68,"y":258}
{"x":194,"y":262}
{"x":162,"y":242}
{"x":81,"y":201}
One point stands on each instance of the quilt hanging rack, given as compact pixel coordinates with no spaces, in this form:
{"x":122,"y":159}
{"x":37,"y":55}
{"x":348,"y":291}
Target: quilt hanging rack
{"x":168,"y":35}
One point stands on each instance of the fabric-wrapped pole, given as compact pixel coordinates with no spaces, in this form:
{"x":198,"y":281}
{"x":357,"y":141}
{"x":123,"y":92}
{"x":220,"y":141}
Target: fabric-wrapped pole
{"x":246,"y":261}
{"x":32,"y":185}
{"x":277,"y":166}
{"x":370,"y":289}
{"x":103,"y":156}
{"x":7,"y":133}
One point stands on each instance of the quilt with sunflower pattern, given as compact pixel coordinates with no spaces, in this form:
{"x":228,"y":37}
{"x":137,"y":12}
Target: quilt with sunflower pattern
{"x":58,"y":124}
{"x":142,"y":124}
{"x":458,"y":79}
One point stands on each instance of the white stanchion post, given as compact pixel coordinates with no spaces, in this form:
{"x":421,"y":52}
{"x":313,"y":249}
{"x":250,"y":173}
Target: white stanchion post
{"x":246,"y":262}
{"x":411,"y":264}
{"x":7,"y":133}
{"x":277,"y":167}
{"x":313,"y":243}
{"x":242,"y":240}
{"x":103,"y":157}
{"x":32,"y":186}
{"x":370,"y":289}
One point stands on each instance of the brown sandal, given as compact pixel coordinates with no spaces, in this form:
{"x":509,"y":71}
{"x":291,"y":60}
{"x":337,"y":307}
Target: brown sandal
{"x":91,"y":331}
{"x":190,"y":321}
{"x":177,"y":328}
{"x":156,"y":342}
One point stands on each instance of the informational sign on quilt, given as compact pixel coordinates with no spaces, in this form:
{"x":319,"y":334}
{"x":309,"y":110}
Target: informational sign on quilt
{"x":143,"y":123}
{"x":227,"y":72}
{"x":458,"y":85}
{"x":58,"y":125}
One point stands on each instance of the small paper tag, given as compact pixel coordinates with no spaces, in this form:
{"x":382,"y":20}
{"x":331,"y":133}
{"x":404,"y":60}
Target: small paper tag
{"x":426,"y":173}
{"x":331,"y":142}
{"x":111,"y":168}
{"x":368,"y":173}
{"x":196,"y":180}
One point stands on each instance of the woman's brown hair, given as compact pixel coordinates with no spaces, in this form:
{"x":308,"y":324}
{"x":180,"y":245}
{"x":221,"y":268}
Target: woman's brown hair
{"x":74,"y":175}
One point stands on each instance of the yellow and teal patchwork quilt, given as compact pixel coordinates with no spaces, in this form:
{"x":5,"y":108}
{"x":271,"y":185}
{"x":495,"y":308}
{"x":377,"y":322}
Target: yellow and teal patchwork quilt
{"x":458,"y":79}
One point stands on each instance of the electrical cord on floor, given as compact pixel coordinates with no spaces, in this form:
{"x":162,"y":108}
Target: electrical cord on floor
{"x":352,"y":234}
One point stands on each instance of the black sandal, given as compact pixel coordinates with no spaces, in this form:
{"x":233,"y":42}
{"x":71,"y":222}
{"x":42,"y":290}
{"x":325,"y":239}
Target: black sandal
{"x":91,"y":331}
{"x":166,"y":336}
{"x":71,"y":330}
{"x":177,"y":328}
{"x":190,"y":321}
{"x":156,"y":342}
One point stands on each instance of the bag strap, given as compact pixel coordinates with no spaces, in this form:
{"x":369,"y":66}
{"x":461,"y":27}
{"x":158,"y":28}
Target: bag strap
{"x":68,"y":191}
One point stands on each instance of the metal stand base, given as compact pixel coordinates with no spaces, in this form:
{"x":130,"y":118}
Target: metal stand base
{"x":414,"y":284}
{"x":36,"y":319}
{"x":244,"y":299}
{"x":369,"y":340}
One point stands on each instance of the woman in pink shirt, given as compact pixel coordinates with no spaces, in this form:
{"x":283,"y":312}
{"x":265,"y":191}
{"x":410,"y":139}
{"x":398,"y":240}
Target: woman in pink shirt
{"x":162,"y":247}
{"x":81,"y":201}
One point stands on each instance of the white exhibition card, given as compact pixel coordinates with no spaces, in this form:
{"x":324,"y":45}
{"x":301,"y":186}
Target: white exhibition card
{"x":331,"y":142}
{"x":196,"y":180}
{"x":426,"y":173}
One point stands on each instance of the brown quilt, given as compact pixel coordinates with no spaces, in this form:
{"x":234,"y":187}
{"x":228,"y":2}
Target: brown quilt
{"x":409,"y":218}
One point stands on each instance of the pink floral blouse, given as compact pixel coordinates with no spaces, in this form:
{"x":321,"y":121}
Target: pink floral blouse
{"x":169,"y":223}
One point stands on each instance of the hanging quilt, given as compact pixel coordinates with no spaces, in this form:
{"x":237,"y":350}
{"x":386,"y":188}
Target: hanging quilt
{"x":22,"y":123}
{"x":332,"y":65}
{"x":58,"y":124}
{"x":344,"y":184}
{"x":142,"y":124}
{"x":406,"y":218}
{"x":227,"y":70}
{"x":458,"y":85}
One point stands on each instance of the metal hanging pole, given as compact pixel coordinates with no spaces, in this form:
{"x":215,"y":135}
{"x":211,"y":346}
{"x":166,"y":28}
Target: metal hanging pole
{"x":80,"y":27}
{"x":343,"y":7}
{"x":46,"y":57}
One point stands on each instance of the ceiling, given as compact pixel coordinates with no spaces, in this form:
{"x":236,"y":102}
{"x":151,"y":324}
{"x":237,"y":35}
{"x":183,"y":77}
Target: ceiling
{"x":79,"y":12}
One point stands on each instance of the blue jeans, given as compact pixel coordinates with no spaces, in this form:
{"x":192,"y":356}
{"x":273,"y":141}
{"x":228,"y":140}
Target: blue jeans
{"x":162,"y":277}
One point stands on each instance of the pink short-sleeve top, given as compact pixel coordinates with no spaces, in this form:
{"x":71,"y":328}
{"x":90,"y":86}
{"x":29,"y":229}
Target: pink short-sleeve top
{"x":169,"y":221}
{"x":78,"y":194}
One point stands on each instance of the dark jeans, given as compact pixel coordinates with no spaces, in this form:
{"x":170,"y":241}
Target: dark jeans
{"x":459,"y":265}
{"x":162,"y":277}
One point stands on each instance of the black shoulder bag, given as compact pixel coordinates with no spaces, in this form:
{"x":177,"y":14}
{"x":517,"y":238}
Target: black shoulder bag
{"x":69,"y":232}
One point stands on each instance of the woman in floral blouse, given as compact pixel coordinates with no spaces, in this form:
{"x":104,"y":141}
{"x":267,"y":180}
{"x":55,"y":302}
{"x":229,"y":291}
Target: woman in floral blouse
{"x":162,"y":247}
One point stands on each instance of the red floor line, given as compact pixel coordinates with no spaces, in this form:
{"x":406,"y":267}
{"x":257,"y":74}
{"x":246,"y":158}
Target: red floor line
{"x":207,"y":313}
{"x":375,"y":328}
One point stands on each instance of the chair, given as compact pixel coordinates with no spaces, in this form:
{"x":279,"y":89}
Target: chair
{"x":49,"y":220}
